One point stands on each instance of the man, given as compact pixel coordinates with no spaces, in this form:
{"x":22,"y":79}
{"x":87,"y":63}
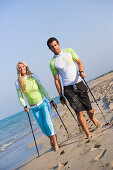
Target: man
{"x":64,"y":64}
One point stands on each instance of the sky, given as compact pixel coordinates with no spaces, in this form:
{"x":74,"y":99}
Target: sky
{"x":25,"y":25}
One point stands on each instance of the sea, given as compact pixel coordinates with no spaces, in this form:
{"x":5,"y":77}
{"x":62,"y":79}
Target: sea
{"x":15,"y":135}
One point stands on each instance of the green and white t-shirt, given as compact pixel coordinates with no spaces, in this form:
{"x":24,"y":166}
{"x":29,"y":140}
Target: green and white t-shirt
{"x":64,"y":65}
{"x":35,"y":91}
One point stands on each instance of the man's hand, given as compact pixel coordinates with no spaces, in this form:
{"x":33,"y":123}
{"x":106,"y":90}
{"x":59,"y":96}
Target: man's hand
{"x":53,"y":104}
{"x":82,"y":74}
{"x":26,"y":108}
{"x":62,"y":100}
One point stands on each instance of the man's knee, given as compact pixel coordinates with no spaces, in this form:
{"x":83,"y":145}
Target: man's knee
{"x":79,"y":114}
{"x":90,"y":113}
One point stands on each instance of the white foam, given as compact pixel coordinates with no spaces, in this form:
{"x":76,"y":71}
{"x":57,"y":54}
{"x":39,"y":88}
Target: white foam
{"x":4,"y":146}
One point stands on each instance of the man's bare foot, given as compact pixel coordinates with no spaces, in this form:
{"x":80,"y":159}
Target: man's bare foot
{"x":60,"y":152}
{"x":56,"y":149}
{"x":97,"y":124}
{"x":89,"y":136}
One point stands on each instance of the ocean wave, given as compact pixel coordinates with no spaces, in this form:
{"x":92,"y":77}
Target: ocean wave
{"x":15,"y":139}
{"x":33,"y":122}
{"x":4,"y":146}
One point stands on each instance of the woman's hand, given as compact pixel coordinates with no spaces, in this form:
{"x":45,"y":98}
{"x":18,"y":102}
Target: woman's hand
{"x":53,"y":104}
{"x":26,"y":108}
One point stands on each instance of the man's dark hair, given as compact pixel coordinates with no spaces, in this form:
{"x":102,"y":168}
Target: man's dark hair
{"x":50,"y":40}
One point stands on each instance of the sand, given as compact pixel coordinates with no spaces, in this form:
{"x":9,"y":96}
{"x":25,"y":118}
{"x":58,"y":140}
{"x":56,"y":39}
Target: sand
{"x":76,"y":152}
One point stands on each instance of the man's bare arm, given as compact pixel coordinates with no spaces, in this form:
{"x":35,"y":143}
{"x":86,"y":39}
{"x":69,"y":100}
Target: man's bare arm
{"x":81,"y":68}
{"x":58,"y":84}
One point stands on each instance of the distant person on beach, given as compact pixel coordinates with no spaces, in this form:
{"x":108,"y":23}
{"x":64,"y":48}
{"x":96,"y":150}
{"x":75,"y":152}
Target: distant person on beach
{"x":63,"y":64}
{"x":29,"y":85}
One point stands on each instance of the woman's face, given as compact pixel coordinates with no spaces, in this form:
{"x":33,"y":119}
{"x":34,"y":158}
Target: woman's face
{"x":22,"y":69}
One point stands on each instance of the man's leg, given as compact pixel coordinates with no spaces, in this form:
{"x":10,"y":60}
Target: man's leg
{"x":92,"y":118}
{"x":82,"y":122}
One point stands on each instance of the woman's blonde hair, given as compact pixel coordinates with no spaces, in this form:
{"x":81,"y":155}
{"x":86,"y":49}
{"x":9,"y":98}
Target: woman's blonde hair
{"x":20,"y":77}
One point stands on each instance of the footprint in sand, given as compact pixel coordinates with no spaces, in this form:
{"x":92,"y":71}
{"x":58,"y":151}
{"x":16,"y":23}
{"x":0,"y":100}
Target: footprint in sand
{"x":60,"y":145}
{"x":100,"y":155}
{"x":95,"y":147}
{"x":61,"y":165}
{"x":60,"y":126}
{"x":81,"y":142}
{"x":59,"y":153}
{"x":90,"y":149}
{"x":109,"y":165}
{"x":84,"y":141}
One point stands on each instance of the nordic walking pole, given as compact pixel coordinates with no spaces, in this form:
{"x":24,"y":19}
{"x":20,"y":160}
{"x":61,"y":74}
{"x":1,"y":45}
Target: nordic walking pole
{"x":62,"y":122}
{"x":95,"y":101}
{"x":80,"y":128}
{"x":33,"y":133}
{"x":71,"y":112}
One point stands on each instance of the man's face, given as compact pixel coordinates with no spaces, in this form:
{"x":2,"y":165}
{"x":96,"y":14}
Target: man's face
{"x":55,"y":47}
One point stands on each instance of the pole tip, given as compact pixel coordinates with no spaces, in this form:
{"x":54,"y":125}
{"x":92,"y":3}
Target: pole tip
{"x":38,"y":156}
{"x":107,"y":124}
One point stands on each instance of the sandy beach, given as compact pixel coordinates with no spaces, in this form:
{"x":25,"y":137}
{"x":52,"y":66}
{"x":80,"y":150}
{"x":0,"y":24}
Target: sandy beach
{"x":76,"y":152}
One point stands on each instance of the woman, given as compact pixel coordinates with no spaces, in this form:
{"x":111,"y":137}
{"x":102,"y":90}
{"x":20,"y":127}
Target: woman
{"x":38,"y":99}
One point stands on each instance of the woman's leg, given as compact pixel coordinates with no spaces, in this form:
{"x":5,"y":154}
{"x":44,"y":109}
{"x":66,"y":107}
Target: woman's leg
{"x":53,"y":142}
{"x":47,"y":119}
{"x":49,"y":124}
{"x":39,"y":117}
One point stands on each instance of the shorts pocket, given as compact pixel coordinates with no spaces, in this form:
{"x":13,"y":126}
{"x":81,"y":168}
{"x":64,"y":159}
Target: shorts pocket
{"x":81,"y":86}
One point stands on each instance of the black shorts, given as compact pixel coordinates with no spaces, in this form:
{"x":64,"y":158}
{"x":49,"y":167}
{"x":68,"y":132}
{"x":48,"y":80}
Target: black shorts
{"x":77,"y":96}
